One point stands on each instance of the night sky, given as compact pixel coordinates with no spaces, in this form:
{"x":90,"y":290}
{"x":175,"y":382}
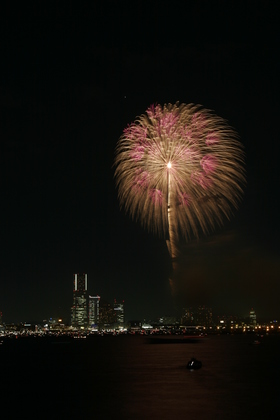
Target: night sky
{"x":73,"y":75}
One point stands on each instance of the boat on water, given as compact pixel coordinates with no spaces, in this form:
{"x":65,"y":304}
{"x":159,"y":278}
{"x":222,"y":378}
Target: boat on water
{"x":194,"y":364}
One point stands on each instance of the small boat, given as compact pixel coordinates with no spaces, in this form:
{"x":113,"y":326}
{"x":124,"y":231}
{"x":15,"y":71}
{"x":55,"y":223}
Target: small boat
{"x":194,"y":364}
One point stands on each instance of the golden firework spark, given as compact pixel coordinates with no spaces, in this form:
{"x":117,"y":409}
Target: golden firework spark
{"x":179,"y":170}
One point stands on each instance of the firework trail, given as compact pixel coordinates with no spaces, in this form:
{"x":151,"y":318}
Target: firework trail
{"x":179,"y":170}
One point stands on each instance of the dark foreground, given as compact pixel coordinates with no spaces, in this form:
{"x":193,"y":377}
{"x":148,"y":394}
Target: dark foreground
{"x":127,"y":377}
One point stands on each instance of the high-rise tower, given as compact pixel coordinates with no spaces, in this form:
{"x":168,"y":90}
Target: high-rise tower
{"x":106,"y":315}
{"x":93,"y":310}
{"x":253,"y":318}
{"x":79,"y":313}
{"x":119,"y":313}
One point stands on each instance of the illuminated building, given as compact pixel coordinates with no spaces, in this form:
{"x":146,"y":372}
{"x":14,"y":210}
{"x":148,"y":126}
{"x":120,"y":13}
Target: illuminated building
{"x":56,"y":324}
{"x":106,"y":315}
{"x":135,"y":326}
{"x":79,"y":313}
{"x":187,"y":317}
{"x":204,"y":316}
{"x":167,"y":320}
{"x":119,"y":313}
{"x":253,"y":318}
{"x":93,"y":310}
{"x":201,"y":315}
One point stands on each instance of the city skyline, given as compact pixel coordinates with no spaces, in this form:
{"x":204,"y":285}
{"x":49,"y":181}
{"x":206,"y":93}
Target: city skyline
{"x":195,"y":319}
{"x":72,"y":79}
{"x":93,"y":312}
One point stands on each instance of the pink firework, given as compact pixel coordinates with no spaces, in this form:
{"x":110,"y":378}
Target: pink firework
{"x":137,"y":153}
{"x":184,"y":199}
{"x":199,"y":178}
{"x":209,"y":163}
{"x":211,"y":139}
{"x":179,"y":168}
{"x":141,"y":180}
{"x":156,"y":196}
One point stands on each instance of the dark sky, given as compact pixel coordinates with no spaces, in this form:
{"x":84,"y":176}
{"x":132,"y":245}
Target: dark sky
{"x":73,"y":75}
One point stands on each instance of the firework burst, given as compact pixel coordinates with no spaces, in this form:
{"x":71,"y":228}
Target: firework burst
{"x":179,"y":170}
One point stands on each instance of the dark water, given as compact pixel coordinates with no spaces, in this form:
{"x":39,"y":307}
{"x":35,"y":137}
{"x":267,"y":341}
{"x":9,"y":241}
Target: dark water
{"x":125,"y":377}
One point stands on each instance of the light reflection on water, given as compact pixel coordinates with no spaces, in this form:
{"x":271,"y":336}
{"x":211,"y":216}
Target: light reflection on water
{"x":236,"y":379}
{"x":125,"y":377}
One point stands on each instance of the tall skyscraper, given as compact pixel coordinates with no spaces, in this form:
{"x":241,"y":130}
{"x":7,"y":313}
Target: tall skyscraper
{"x":93,"y":310}
{"x":204,"y":316}
{"x":119,"y":313}
{"x":79,"y":313}
{"x":106,"y":315}
{"x":253,"y":318}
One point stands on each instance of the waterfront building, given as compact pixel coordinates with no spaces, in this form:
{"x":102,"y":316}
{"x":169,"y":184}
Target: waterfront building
{"x":56,"y":324}
{"x":187,"y":317}
{"x":253,"y":318}
{"x":135,"y":326}
{"x":93,"y":311}
{"x":106,"y":315}
{"x":166,"y":320}
{"x":200,"y":315}
{"x":204,"y":316}
{"x":119,"y":313}
{"x":79,"y":312}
